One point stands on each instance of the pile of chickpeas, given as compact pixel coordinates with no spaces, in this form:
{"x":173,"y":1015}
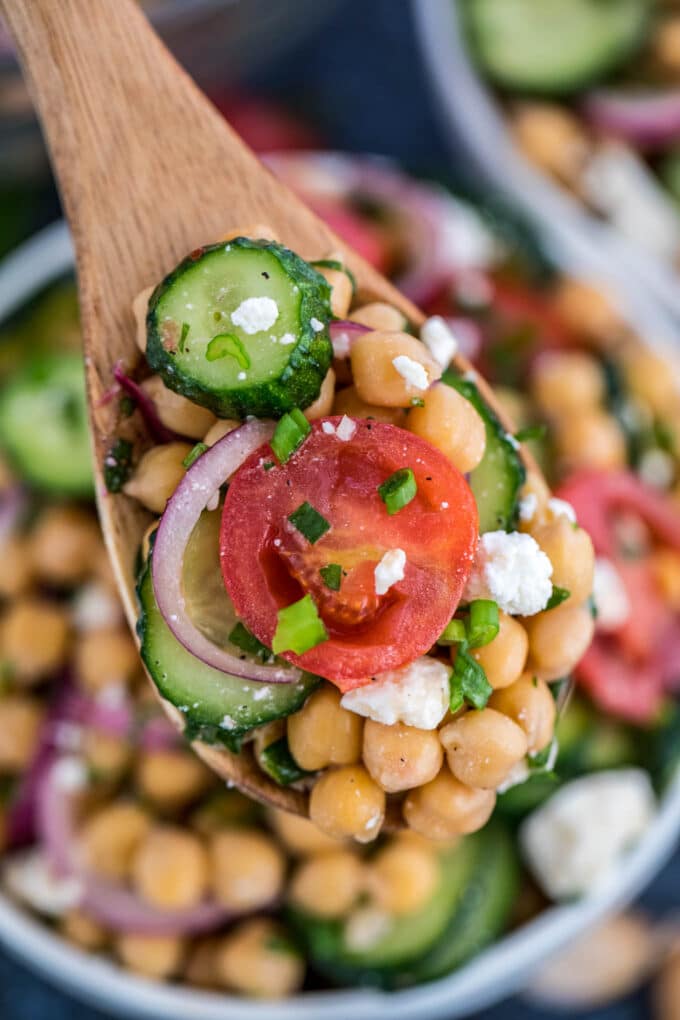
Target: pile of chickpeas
{"x":445,"y":780}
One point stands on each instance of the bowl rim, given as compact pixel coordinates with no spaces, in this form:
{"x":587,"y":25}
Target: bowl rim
{"x":492,"y":975}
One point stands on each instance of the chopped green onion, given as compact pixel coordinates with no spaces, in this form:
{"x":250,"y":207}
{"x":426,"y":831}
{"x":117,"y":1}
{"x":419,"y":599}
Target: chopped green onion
{"x":469,"y":680}
{"x":456,"y":696}
{"x":417,"y":402}
{"x":126,"y":405}
{"x":184,"y":334}
{"x":298,"y":628}
{"x":398,"y":490}
{"x":193,"y":454}
{"x":268,"y":465}
{"x":117,"y":465}
{"x":540,"y":759}
{"x":332,"y":576}
{"x":226,"y":345}
{"x":309,"y":522}
{"x":247,"y":642}
{"x":290,"y":433}
{"x":453,"y":634}
{"x":277,"y":761}
{"x":483,"y":624}
{"x":531,"y":432}
{"x":559,"y":595}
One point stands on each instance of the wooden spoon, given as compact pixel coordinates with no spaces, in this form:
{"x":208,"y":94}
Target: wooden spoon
{"x":148,"y":170}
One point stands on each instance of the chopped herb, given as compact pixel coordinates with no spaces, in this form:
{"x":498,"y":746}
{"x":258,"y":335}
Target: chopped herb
{"x":539,"y":760}
{"x":290,"y":433}
{"x":226,"y":345}
{"x":126,"y":405}
{"x":417,"y":402}
{"x":183,"y":335}
{"x":453,"y":634}
{"x":117,"y":465}
{"x":268,"y":465}
{"x":277,"y":761}
{"x":531,"y":432}
{"x":332,"y":576}
{"x":559,"y":595}
{"x":298,"y":628}
{"x":309,"y":522}
{"x":247,"y":642}
{"x":483,"y":623}
{"x":280,"y":943}
{"x":468,"y":682}
{"x":398,"y":490}
{"x":193,"y":454}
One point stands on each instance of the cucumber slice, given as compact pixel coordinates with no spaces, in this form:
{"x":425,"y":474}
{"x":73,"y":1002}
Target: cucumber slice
{"x":260,"y":359}
{"x":496,"y":481}
{"x":43,"y":424}
{"x":554,"y":47}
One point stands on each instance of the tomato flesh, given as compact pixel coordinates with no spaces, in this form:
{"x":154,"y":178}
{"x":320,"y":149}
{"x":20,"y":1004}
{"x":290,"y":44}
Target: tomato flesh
{"x":268,"y":564}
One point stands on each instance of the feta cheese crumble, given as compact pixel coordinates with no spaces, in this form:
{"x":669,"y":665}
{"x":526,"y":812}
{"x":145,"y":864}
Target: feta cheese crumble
{"x":255,"y":314}
{"x":94,"y":607}
{"x":30,"y":878}
{"x":389,"y":570}
{"x":560,"y":508}
{"x":412,"y":371}
{"x":657,"y":468}
{"x":328,"y":428}
{"x":287,"y":339}
{"x":573,"y":842}
{"x":417,"y":695}
{"x":316,"y":325}
{"x":346,"y":429}
{"x":439,"y":340}
{"x":512,"y":570}
{"x":528,"y":505}
{"x":610,"y":596}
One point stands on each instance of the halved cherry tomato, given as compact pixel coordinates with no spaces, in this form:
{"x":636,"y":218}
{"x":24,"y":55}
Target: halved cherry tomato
{"x":631,"y":691}
{"x":267,"y":564}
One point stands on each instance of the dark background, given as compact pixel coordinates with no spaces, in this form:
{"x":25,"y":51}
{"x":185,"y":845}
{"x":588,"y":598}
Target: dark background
{"x":360,"y":82}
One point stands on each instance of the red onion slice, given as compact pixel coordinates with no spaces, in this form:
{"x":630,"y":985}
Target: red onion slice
{"x":12,"y":504}
{"x":145,"y":406}
{"x":648,"y":120}
{"x":120,"y":720}
{"x":343,"y":333}
{"x":200,"y":484}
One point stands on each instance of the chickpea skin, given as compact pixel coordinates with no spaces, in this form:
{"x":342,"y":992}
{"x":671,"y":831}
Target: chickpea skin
{"x":567,"y":382}
{"x":557,"y":639}
{"x":157,"y":475}
{"x":347,"y":803}
{"x":300,"y":836}
{"x":377,"y":379}
{"x":17,"y":567}
{"x":21,"y":720}
{"x":445,"y":808}
{"x":153,"y":956}
{"x":34,"y":636}
{"x":328,"y":885}
{"x":482,"y":747}
{"x":529,"y":703}
{"x":171,"y":778}
{"x":349,"y":402}
{"x":247,"y":869}
{"x":503,"y":659}
{"x":256,"y":960}
{"x":570,"y":550}
{"x":84,"y":931}
{"x":378,"y":315}
{"x":400,"y":757}
{"x":341,"y":290}
{"x":448,"y":421}
{"x":403,"y":878}
{"x":323,"y":733}
{"x":110,"y":838}
{"x":591,"y":439}
{"x":105,"y":658}
{"x":170,"y":868}
{"x":324,"y":402}
{"x":66,"y":544}
{"x":176,"y":412}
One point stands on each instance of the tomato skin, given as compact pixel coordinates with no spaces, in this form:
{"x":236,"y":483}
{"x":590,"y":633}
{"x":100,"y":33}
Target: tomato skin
{"x":630,"y":691}
{"x":267,"y":565}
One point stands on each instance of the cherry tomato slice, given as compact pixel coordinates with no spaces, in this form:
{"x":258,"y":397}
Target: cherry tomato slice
{"x":627,"y":690}
{"x":267,"y":564}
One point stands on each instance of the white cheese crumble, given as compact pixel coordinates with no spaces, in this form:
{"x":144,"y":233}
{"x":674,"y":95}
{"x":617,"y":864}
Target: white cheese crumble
{"x":255,"y":314}
{"x":389,"y":570}
{"x":30,"y":878}
{"x":341,"y":345}
{"x":610,"y":596}
{"x":316,"y":325}
{"x":439,"y":340}
{"x":346,"y":429}
{"x":512,"y":570}
{"x":365,"y":927}
{"x":573,"y":842}
{"x":657,"y":468}
{"x":286,"y":339}
{"x":412,"y":371}
{"x":560,"y":508}
{"x":69,"y":774}
{"x":328,"y":427}
{"x":95,"y":608}
{"x":417,"y":695}
{"x":528,"y":505}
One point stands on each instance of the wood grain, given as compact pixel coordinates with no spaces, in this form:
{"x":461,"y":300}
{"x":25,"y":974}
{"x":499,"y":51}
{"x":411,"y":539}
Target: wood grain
{"x":148,"y":170}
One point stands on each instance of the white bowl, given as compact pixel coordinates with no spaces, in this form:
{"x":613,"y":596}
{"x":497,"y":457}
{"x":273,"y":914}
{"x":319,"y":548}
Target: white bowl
{"x":491,"y":976}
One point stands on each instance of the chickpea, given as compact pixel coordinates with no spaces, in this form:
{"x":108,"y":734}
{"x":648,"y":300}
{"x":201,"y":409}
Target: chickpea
{"x":570,"y":550}
{"x":378,"y":315}
{"x":329,"y":885}
{"x":170,"y":868}
{"x":649,"y":378}
{"x":84,"y":931}
{"x":110,"y":837}
{"x":666,"y":45}
{"x":140,"y":307}
{"x":171,"y":778}
{"x":482,"y":747}
{"x":567,"y":382}
{"x":105,"y":658}
{"x":450,"y":422}
{"x":504,"y":658}
{"x":666,"y":568}
{"x":257,"y":960}
{"x":65,"y":545}
{"x":221,"y":428}
{"x":400,"y":757}
{"x":201,"y":967}
{"x":21,"y":720}
{"x":403,"y":878}
{"x":552,"y":138}
{"x":591,"y":439}
{"x":445,"y":808}
{"x":247,"y":869}
{"x":108,"y":756}
{"x":341,"y":290}
{"x":153,"y":956}
{"x":587,"y":311}
{"x":17,"y":568}
{"x":376,"y":378}
{"x":323,"y":733}
{"x":323,"y":404}
{"x":157,"y":475}
{"x":176,"y":412}
{"x":529,"y":703}
{"x":515,"y":405}
{"x":34,"y":636}
{"x":667,"y":989}
{"x":346,"y":802}
{"x":557,"y":639}
{"x":300,"y":836}
{"x":349,"y":402}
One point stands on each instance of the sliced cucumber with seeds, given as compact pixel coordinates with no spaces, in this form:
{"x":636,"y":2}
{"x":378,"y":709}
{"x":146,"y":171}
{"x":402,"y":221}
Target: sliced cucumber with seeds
{"x":497,"y":480}
{"x":242,"y":328}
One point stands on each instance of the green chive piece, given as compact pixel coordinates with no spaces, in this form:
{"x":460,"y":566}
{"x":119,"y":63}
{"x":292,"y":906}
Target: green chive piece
{"x":453,"y":634}
{"x":247,"y":642}
{"x":332,"y":576}
{"x":193,"y":455}
{"x":298,"y":628}
{"x":309,"y":522}
{"x":483,"y":624}
{"x":277,"y":761}
{"x":268,"y":465}
{"x":531,"y":432}
{"x":398,"y":490}
{"x":559,"y":595}
{"x":226,"y":345}
{"x":290,"y":433}
{"x":540,"y":759}
{"x":126,"y":405}
{"x":456,"y":696}
{"x":470,"y":678}
{"x":417,"y":402}
{"x":183,"y":335}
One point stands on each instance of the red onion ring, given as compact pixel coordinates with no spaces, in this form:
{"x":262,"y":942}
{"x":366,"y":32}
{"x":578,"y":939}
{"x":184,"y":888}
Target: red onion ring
{"x":648,"y":120}
{"x":119,"y":720}
{"x":200,"y":484}
{"x":12,"y":503}
{"x":343,"y":333}
{"x":145,"y":405}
